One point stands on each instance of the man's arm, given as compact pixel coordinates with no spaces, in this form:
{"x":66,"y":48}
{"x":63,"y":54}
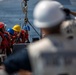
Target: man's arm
{"x":68,"y":11}
{"x":73,"y":13}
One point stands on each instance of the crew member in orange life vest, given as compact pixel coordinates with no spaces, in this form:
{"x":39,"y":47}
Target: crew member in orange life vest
{"x":19,"y":34}
{"x":26,"y":28}
{"x":11,"y":33}
{"x":5,"y":44}
{"x":22,"y":36}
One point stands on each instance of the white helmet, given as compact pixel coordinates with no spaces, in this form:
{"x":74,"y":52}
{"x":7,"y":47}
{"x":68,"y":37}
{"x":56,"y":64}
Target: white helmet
{"x":47,"y":14}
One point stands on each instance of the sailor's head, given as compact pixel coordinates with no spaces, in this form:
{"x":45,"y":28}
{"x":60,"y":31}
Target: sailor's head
{"x":2,"y":27}
{"x":17,"y":29}
{"x":47,"y":14}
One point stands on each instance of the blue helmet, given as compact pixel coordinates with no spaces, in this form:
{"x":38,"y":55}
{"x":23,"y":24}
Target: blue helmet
{"x":26,"y":27}
{"x":11,"y":31}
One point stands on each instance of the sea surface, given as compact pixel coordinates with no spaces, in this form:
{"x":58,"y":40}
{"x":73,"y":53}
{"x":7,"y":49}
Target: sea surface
{"x":11,"y":13}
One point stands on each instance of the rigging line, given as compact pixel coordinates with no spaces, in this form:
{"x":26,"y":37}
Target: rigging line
{"x":25,"y":8}
{"x":34,"y":29}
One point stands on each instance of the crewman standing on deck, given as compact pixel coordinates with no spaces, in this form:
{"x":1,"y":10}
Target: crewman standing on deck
{"x":40,"y":52}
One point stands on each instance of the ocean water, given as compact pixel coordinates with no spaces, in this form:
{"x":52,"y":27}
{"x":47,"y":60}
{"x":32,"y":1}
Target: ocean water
{"x":11,"y":12}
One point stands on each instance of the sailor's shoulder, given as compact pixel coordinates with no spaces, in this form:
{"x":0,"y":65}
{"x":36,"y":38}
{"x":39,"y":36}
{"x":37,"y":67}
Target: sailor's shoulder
{"x":40,"y":45}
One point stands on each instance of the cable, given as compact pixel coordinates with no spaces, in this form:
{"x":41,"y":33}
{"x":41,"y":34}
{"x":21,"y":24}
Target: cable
{"x":34,"y":29}
{"x":25,"y":8}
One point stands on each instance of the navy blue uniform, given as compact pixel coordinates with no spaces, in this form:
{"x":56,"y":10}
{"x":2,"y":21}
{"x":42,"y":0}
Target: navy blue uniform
{"x":17,"y":61}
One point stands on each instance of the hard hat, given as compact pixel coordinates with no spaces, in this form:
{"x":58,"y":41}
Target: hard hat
{"x":26,"y":27}
{"x":17,"y":28}
{"x":60,"y":5}
{"x":47,"y":14}
{"x":11,"y":31}
{"x":1,"y":25}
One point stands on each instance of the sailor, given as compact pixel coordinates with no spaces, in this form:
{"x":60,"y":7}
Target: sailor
{"x":19,"y":34}
{"x":22,"y":36}
{"x":5,"y":44}
{"x":50,"y":23}
{"x":20,"y":63}
{"x":11,"y":33}
{"x":17,"y":30}
{"x":27,"y":29}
